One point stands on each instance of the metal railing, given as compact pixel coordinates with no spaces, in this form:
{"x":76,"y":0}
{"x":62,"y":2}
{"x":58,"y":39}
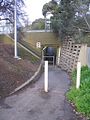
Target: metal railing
{"x":50,"y":59}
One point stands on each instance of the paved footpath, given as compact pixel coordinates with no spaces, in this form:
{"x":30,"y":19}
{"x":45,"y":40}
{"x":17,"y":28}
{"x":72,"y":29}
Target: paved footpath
{"x":34,"y":104}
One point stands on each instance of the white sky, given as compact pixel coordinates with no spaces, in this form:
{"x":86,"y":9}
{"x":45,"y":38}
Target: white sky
{"x":34,"y":8}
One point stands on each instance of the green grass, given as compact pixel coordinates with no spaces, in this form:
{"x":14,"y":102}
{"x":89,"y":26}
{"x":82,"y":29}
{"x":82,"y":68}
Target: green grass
{"x":32,"y":48}
{"x":26,"y":55}
{"x":81,"y":97}
{"x":21,"y":51}
{"x":6,"y":39}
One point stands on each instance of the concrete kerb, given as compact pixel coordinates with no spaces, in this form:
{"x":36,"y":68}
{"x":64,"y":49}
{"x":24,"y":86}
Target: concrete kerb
{"x":39,"y":70}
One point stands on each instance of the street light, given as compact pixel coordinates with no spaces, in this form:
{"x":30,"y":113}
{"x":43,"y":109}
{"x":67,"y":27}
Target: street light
{"x":15,"y":30}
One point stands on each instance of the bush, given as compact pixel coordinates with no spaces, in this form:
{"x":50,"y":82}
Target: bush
{"x":81,"y":97}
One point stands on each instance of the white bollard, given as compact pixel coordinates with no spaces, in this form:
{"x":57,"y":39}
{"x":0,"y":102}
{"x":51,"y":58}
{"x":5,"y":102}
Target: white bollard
{"x":58,"y":58}
{"x":78,"y":74}
{"x":46,"y":77}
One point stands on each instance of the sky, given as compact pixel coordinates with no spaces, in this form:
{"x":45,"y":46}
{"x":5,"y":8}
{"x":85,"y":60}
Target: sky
{"x":34,"y":8}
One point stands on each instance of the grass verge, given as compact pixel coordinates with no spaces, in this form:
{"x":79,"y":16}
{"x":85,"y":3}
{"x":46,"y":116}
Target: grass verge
{"x":81,"y":97}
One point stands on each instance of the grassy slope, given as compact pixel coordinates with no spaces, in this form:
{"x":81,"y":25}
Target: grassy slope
{"x":81,"y":97}
{"x":6,"y":39}
{"x":21,"y":51}
{"x":14,"y":72}
{"x":31,"y":48}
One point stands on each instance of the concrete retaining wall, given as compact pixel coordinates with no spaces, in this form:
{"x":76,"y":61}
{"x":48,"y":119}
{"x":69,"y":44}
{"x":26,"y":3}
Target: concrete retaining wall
{"x":45,"y":38}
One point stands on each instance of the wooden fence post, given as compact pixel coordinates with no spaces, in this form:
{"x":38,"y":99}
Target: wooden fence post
{"x":78,"y":74}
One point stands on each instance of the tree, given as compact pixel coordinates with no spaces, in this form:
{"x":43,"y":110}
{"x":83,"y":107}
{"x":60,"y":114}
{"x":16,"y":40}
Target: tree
{"x":49,"y":7}
{"x":63,"y":18}
{"x":7,"y":10}
{"x":70,"y":17}
{"x":62,"y":15}
{"x":83,"y":11}
{"x":38,"y":24}
{"x":82,"y":20}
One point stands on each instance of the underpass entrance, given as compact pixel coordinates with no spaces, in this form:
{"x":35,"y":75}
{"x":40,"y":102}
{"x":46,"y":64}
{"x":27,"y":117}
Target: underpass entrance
{"x":49,"y":54}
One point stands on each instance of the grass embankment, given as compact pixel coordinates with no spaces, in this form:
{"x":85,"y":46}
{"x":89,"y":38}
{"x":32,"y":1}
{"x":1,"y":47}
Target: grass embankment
{"x":81,"y":97}
{"x":13,"y":72}
{"x":6,"y":39}
{"x":21,"y":51}
{"x":26,"y":55}
{"x":32,"y":48}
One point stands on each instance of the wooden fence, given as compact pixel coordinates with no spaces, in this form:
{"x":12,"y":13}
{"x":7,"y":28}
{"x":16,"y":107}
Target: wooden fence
{"x":88,"y":56}
{"x":69,"y":54}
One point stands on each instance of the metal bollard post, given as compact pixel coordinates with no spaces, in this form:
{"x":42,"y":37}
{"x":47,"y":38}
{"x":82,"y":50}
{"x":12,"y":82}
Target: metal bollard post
{"x":78,"y":74}
{"x":46,"y":77}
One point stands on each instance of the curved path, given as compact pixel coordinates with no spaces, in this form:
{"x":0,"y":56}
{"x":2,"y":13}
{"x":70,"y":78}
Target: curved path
{"x":34,"y":104}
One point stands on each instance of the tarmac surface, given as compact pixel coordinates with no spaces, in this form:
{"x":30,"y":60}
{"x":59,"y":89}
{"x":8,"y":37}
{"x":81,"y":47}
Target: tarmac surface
{"x":34,"y":104}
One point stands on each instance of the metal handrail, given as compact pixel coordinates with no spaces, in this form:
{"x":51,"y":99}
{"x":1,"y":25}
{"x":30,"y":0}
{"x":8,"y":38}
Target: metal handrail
{"x":50,"y":57}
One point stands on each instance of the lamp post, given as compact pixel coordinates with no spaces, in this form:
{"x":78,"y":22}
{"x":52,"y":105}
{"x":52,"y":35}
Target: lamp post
{"x":45,"y":23}
{"x":15,"y":30}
